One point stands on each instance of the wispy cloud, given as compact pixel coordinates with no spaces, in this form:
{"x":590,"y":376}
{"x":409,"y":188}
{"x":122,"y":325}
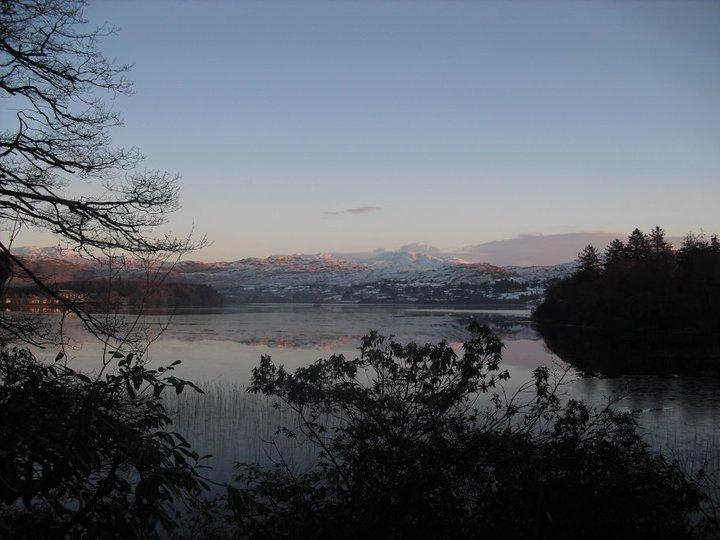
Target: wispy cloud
{"x":358,"y":210}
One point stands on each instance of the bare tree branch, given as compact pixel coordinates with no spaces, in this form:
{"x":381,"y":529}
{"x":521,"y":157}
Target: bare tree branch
{"x":53,"y":76}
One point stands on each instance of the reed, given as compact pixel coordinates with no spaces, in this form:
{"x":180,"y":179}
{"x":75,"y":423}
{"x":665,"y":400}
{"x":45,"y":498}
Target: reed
{"x":235,"y":426}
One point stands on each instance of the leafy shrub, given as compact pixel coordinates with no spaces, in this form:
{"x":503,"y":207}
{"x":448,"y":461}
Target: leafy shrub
{"x":84,"y":457}
{"x":405,"y":449}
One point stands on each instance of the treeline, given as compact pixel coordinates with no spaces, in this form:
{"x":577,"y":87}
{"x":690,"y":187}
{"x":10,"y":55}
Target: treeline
{"x":645,"y":294}
{"x":122,"y":293}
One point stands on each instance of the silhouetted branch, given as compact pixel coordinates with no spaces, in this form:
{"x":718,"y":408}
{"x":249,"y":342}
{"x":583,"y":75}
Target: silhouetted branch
{"x":54,"y":76}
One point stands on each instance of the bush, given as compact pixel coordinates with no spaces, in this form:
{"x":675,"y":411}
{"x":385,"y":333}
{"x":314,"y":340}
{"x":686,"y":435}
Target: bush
{"x":405,"y":450}
{"x":84,"y":457}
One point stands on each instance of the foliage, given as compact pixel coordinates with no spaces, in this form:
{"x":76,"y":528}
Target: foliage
{"x":658,"y":306}
{"x":90,"y":457}
{"x":404,"y":449}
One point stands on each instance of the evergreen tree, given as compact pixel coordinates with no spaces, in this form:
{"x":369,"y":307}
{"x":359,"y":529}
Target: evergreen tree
{"x":658,"y":244}
{"x":615,"y":253}
{"x":638,"y":245}
{"x":589,"y":260}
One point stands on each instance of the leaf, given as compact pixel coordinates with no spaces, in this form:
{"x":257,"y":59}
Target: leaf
{"x":236,"y":500}
{"x":181,"y":438}
{"x":129,"y":388}
{"x":195,"y":387}
{"x":179,"y":458}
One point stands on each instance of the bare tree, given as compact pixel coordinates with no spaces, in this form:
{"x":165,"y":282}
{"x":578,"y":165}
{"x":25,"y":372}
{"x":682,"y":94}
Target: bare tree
{"x":55,"y":82}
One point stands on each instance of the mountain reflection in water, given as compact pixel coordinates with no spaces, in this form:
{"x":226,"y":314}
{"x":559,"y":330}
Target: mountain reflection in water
{"x":219,"y":348}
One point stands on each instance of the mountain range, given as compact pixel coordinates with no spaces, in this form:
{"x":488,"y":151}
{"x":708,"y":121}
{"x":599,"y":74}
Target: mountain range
{"x":413,"y":274}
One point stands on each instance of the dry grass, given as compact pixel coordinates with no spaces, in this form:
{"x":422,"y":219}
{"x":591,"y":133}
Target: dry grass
{"x":235,"y":426}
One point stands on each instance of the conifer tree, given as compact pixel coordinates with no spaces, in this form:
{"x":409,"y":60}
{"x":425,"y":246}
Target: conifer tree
{"x":658,"y":244}
{"x":638,"y":245}
{"x":589,"y":260}
{"x":615,"y":253}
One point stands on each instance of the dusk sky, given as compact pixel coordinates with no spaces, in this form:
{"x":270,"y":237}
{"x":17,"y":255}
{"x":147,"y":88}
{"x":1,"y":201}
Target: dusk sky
{"x":349,"y":126}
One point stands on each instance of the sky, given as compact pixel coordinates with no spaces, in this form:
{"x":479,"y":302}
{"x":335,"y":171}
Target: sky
{"x":303,"y":127}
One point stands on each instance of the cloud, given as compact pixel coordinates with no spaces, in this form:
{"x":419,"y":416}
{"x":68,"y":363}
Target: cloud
{"x":358,"y":210}
{"x":363,"y":210}
{"x":536,"y":248}
{"x":541,"y":249}
{"x":418,"y":247}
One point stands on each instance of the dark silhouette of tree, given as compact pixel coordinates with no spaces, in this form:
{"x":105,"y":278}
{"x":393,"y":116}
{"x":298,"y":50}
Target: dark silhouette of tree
{"x":405,"y":450}
{"x":589,"y":260}
{"x":655,"y":307}
{"x":615,"y":253}
{"x":658,"y":244}
{"x":53,"y":75}
{"x":638,"y":245}
{"x":79,"y":456}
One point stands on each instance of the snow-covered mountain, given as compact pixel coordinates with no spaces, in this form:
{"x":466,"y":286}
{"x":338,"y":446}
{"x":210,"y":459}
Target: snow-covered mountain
{"x":543,"y":273}
{"x":50,"y":252}
{"x":382,"y":276}
{"x":333,"y":268}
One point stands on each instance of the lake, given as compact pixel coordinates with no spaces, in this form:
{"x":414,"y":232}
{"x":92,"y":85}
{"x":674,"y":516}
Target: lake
{"x":680,"y":415}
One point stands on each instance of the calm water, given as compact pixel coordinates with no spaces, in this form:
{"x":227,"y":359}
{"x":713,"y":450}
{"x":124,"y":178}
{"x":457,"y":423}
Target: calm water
{"x":680,"y":415}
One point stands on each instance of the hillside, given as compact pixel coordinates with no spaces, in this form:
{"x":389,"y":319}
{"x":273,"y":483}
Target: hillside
{"x":379,"y":277}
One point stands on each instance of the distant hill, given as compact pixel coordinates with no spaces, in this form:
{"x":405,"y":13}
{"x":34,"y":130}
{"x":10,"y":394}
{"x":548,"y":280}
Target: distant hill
{"x":401,"y":276}
{"x":124,"y":293}
{"x":85,"y":281}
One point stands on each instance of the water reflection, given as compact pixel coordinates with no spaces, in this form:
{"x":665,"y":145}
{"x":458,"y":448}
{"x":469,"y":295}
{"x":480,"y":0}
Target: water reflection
{"x":218,"y":349}
{"x":626,"y":351}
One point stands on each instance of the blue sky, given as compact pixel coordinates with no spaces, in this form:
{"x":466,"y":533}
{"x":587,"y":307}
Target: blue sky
{"x":456,"y":122}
